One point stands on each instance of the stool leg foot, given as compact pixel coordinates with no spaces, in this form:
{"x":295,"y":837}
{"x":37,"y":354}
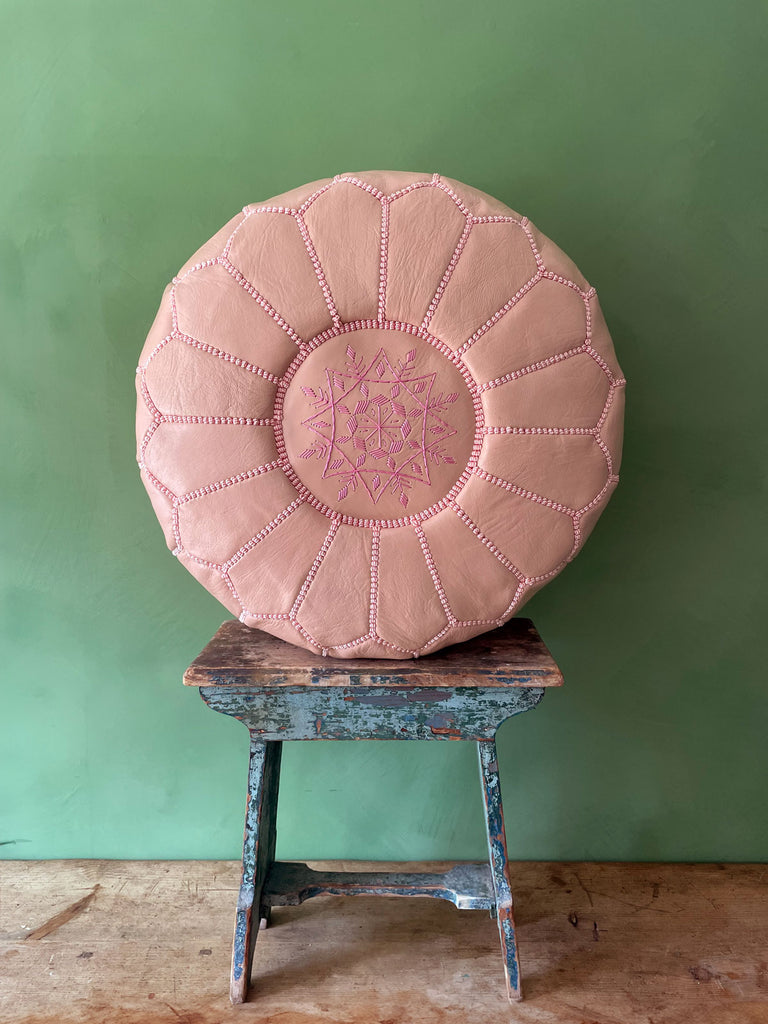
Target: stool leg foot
{"x":497,"y":850}
{"x":258,"y":854}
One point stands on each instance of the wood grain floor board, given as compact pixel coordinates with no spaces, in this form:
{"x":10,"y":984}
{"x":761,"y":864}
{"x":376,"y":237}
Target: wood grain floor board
{"x":132,"y":942}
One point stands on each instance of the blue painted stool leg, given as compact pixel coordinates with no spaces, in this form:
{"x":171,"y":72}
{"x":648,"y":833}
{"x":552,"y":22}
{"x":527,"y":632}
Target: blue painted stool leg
{"x":258,"y":854}
{"x":497,"y":851}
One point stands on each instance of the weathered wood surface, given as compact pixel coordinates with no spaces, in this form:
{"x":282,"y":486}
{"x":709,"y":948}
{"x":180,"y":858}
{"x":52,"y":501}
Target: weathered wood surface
{"x":468,"y":886}
{"x":499,"y":865}
{"x":150,"y":942}
{"x":513,"y":655}
{"x":371,"y":713}
{"x":259,"y":837}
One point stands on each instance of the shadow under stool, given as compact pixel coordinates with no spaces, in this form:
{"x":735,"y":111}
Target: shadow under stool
{"x":281,"y":692}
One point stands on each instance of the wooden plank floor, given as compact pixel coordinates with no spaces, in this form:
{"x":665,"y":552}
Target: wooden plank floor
{"x":132,"y":942}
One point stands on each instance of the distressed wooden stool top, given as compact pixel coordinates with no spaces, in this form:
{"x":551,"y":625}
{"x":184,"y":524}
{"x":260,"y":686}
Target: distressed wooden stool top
{"x":238,"y":655}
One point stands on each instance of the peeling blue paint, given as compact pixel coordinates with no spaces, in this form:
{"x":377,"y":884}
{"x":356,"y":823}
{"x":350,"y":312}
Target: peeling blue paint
{"x":353,"y":713}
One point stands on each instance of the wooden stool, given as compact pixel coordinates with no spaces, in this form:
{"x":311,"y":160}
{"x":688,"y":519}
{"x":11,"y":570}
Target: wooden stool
{"x":281,"y":692}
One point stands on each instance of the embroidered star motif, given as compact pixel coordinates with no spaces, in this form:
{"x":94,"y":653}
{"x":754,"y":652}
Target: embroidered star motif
{"x":378,"y":426}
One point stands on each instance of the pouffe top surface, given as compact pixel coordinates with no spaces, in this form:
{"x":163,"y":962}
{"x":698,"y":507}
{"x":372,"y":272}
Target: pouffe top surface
{"x":377,"y":413}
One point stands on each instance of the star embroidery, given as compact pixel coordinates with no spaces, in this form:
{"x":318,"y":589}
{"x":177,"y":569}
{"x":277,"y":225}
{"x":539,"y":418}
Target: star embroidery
{"x":378,"y":426}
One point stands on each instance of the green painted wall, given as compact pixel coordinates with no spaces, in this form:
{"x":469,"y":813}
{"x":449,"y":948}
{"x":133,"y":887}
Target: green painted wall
{"x":631,"y":133}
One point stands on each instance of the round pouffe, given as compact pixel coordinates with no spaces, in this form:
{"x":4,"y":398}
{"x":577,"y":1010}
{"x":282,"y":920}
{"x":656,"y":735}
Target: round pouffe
{"x":377,"y":413}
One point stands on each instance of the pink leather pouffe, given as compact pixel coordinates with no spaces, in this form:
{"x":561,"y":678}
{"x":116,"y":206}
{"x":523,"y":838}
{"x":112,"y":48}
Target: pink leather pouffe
{"x":377,"y":413}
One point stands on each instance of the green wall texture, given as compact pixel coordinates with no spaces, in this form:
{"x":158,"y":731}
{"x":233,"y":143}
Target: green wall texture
{"x":631,"y":133}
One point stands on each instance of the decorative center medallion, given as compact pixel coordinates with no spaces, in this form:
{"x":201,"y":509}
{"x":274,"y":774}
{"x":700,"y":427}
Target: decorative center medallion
{"x":378,"y":424}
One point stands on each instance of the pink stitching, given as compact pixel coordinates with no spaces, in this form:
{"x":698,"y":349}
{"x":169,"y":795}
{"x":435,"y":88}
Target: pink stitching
{"x":468,"y":521}
{"x":313,"y":569}
{"x":148,"y":400}
{"x":174,"y":312}
{"x":612,"y":386}
{"x":435,"y":575}
{"x":576,"y":536}
{"x":314,"y":642}
{"x":160,"y":345}
{"x":160,"y":486}
{"x":250,"y":210}
{"x":552,"y":276}
{"x":351,"y":643}
{"x":178,"y":335}
{"x":448,"y":273}
{"x":532,"y":367}
{"x":181,"y":550}
{"x":606,"y":452}
{"x":148,"y":435}
{"x":383,"y":258}
{"x":247,"y":214}
{"x":374,"y":638}
{"x":230,"y":240}
{"x":213,"y":566}
{"x":374,"y":594}
{"x":612,"y":479}
{"x":315,"y":195}
{"x":495,"y":219}
{"x":509,"y":304}
{"x":371,"y":189}
{"x":601,"y":423}
{"x":230,"y":585}
{"x":588,"y":348}
{"x":176,"y":527}
{"x":530,"y":580}
{"x":470,"y":623}
{"x":244,"y":283}
{"x":511,"y":606}
{"x":399,"y":193}
{"x":389,"y":325}
{"x":575,"y":521}
{"x":291,"y":616}
{"x":588,"y":320}
{"x":393,"y":647}
{"x":264,"y":532}
{"x":464,"y":623}
{"x":194,"y":269}
{"x":240,"y":421}
{"x":438,"y":636}
{"x":439,"y":183}
{"x":522,"y":492}
{"x":525,"y":224}
{"x":220,"y":485}
{"x":539,"y":430}
{"x":607,"y":407}
{"x":318,"y":269}
{"x":308,"y":637}
{"x":226,"y":356}
{"x":600,"y":362}
{"x":273,"y":616}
